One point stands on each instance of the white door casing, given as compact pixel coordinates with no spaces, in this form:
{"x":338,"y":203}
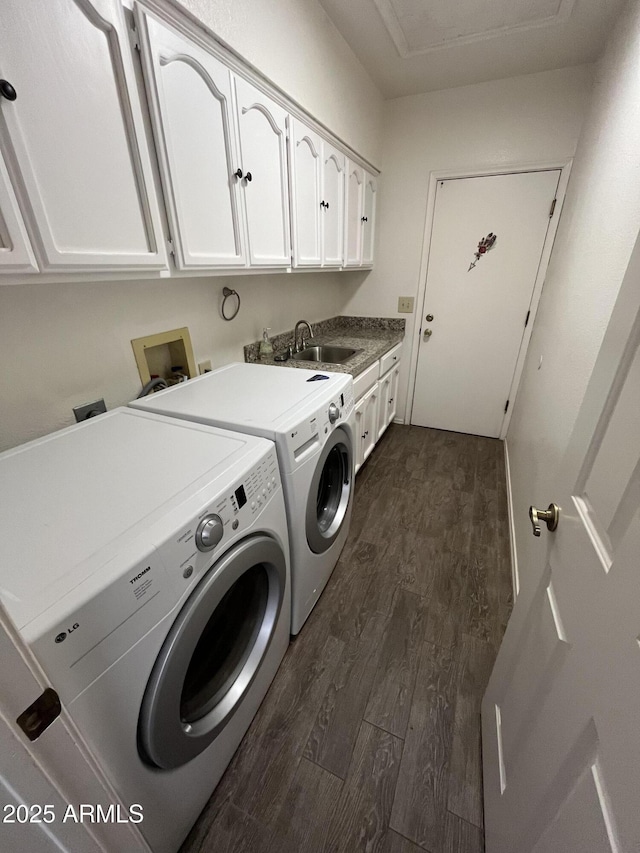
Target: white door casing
{"x":332,"y":215}
{"x":190,"y":96}
{"x":306,"y":161}
{"x":77,"y":136}
{"x":262,"y":128}
{"x":561,"y":744}
{"x":478,"y":341}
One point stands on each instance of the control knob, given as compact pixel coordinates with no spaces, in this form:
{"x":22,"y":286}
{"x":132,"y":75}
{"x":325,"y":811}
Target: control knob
{"x":334,"y":413}
{"x":209,"y":532}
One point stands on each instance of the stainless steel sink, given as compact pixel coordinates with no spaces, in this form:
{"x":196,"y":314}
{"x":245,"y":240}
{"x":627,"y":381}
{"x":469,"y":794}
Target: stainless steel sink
{"x":328,"y":354}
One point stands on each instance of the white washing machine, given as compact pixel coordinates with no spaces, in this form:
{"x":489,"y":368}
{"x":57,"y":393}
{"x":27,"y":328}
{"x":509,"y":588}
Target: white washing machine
{"x":137,"y":564}
{"x":310,"y":416}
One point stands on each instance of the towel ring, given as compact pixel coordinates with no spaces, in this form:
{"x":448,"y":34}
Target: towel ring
{"x":226,"y":293}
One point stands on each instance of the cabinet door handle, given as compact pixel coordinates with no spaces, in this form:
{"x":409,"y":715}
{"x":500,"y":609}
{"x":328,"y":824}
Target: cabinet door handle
{"x":7,"y":91}
{"x":364,"y":219}
{"x":248,"y":177}
{"x":238,"y":173}
{"x":324,"y":204}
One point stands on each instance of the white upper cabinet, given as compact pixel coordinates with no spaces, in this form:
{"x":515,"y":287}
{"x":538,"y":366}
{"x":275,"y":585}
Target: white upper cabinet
{"x":332,"y":213}
{"x":16,"y":254}
{"x":354,"y":197}
{"x":369,"y":219}
{"x":190,"y":96}
{"x":76,"y":134}
{"x":262,"y":128}
{"x":317,"y":208}
{"x":360,"y":216}
{"x":306,"y":188}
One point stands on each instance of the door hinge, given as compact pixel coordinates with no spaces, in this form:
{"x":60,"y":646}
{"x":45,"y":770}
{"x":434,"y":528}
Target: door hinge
{"x":133,"y":38}
{"x":553,"y":207}
{"x":526,"y":319}
{"x":40,"y":714}
{"x":506,"y":406}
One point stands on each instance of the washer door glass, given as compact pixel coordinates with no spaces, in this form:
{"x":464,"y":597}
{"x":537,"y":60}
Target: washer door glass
{"x":212,"y":653}
{"x":330,"y":492}
{"x":225,"y":644}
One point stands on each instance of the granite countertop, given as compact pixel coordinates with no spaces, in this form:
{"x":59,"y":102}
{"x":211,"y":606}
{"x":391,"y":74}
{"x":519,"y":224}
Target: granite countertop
{"x":372,"y":337}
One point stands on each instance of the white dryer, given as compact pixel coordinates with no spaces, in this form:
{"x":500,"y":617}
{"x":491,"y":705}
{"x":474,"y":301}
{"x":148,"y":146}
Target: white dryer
{"x":138,"y":565}
{"x":310,"y":416}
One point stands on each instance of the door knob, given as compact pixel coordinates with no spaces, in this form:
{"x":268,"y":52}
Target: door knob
{"x":427,"y":334}
{"x":550,"y":517}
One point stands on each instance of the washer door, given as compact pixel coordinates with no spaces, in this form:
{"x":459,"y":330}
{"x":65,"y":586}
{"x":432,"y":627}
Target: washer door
{"x":212,"y":653}
{"x":330,"y":492}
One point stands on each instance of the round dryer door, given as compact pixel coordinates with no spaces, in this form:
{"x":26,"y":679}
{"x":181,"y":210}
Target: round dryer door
{"x":212,"y":653}
{"x":330,"y":492}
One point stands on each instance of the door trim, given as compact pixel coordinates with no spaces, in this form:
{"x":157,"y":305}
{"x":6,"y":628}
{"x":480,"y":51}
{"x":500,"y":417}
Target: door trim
{"x":439,"y":175}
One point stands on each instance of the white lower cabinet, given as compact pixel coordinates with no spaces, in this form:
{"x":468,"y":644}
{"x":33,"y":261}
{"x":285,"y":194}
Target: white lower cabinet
{"x":366,"y":424}
{"x":388,"y":391}
{"x":376,"y":404}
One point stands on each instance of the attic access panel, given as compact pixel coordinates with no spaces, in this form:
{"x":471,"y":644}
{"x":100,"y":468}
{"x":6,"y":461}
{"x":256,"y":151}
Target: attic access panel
{"x":420,"y":26}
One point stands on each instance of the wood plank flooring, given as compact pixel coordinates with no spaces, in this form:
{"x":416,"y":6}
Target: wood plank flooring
{"x":369,"y":738}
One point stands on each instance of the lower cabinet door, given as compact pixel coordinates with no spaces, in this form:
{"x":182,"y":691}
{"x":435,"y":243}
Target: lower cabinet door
{"x":388,"y":406}
{"x":359,"y":433}
{"x":370,"y":421}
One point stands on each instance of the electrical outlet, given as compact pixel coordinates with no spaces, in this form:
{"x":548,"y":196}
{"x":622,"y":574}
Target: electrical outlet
{"x":89,"y":410}
{"x":405,"y":305}
{"x":204,"y":367}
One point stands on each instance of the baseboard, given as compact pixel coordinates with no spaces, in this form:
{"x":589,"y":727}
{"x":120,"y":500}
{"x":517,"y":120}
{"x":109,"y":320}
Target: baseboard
{"x":398,"y":420}
{"x":515,"y":577}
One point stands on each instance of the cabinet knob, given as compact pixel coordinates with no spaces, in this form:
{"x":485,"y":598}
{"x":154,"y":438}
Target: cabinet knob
{"x":7,"y":91}
{"x":324,"y":204}
{"x":238,"y":173}
{"x":248,"y":177}
{"x":364,"y":219}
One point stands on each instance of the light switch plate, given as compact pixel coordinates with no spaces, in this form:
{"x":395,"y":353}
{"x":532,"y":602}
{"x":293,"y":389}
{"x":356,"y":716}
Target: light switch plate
{"x":405,"y":305}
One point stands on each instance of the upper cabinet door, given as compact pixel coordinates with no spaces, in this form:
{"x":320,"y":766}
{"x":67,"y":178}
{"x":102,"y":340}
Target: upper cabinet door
{"x":16,"y":254}
{"x":369,"y":219}
{"x":77,"y":134}
{"x":353,"y":215}
{"x":263,"y":152}
{"x":306,"y":160}
{"x":191,"y":108}
{"x":332,"y":215}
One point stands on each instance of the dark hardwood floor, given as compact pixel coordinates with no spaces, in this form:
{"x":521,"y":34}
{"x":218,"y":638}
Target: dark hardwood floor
{"x":369,"y":738}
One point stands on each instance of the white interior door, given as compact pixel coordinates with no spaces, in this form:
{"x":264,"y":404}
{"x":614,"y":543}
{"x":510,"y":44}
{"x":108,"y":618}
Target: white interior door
{"x":561,"y":715}
{"x":190,"y":96}
{"x":263,"y":150}
{"x":77,"y":132}
{"x":333,"y":168}
{"x":468,"y":352}
{"x":306,"y":149}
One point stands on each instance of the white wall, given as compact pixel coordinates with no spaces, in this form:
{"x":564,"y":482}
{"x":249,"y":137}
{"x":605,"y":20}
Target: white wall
{"x":66,"y":344}
{"x":597,"y":232}
{"x":535,"y":118}
{"x":296,"y":45}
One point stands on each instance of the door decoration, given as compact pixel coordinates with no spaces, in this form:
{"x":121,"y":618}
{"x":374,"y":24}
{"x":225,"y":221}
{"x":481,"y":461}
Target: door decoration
{"x":484,"y":245}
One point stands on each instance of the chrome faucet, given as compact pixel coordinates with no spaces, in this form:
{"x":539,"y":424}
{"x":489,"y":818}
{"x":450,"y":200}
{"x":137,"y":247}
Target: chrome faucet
{"x":298,"y":347}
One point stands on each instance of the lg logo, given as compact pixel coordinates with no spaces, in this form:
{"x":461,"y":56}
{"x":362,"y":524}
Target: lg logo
{"x":63,"y":634}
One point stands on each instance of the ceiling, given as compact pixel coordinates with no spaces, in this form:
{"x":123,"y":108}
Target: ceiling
{"x":412,"y":46}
